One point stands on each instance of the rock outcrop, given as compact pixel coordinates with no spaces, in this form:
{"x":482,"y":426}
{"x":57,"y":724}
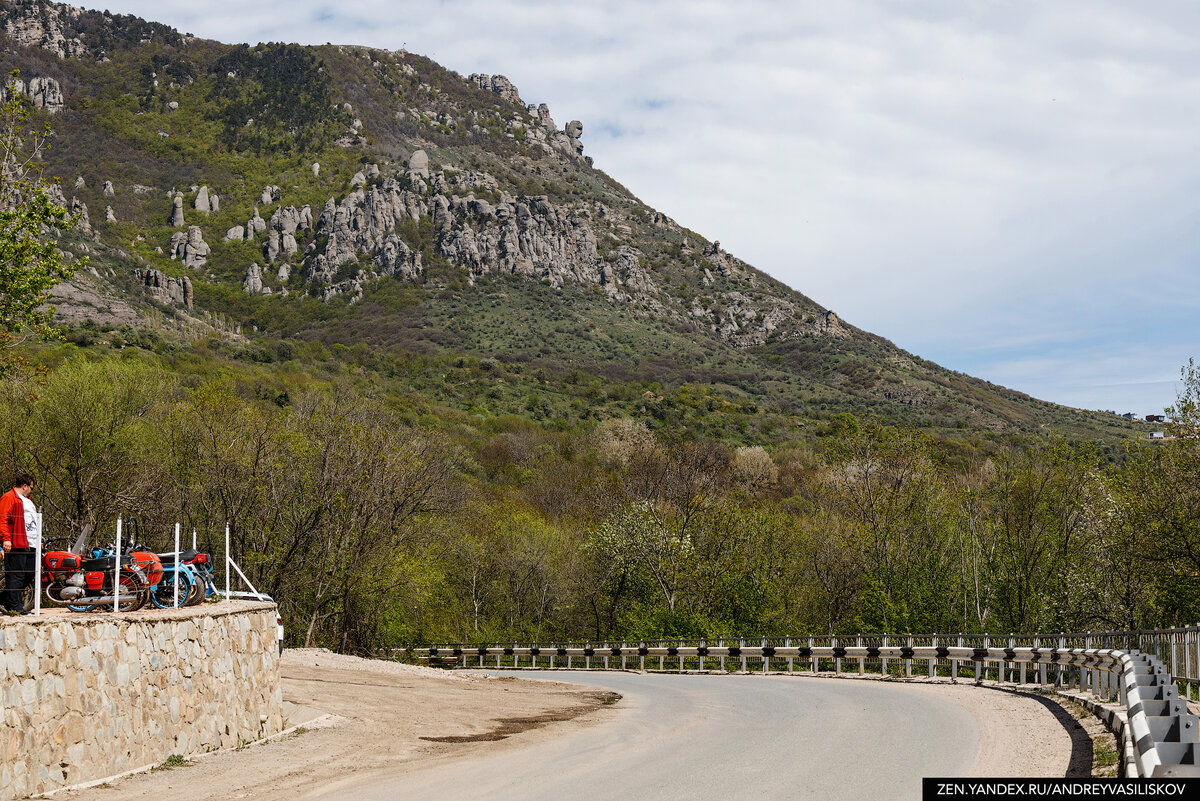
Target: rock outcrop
{"x":190,"y":248}
{"x":165,"y":288}
{"x":253,"y":282}
{"x":45,"y":25}
{"x":176,"y":219}
{"x":497,"y":85}
{"x":43,"y":93}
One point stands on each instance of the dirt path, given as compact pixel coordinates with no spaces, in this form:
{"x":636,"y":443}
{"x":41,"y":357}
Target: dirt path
{"x":390,"y":718}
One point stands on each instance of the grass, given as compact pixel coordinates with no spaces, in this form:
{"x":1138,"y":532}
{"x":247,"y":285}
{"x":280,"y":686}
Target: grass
{"x":174,"y":761}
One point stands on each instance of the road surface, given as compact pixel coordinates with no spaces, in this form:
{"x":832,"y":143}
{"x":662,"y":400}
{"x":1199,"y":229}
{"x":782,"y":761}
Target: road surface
{"x":713,"y":736}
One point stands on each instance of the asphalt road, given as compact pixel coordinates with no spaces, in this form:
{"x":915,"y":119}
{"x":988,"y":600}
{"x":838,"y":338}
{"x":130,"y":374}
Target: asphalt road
{"x":693,"y":737}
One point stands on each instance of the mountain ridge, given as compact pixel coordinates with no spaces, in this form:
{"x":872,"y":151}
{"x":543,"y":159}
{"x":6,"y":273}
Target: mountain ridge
{"x":290,"y":189}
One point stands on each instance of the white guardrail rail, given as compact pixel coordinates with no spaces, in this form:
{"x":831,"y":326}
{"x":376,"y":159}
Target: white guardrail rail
{"x":1143,"y":671}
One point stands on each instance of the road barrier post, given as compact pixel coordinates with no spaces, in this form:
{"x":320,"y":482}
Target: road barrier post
{"x":813,"y":660}
{"x":227,"y":557}
{"x":883,"y":668}
{"x":862,"y":663}
{"x":787,"y":643}
{"x":931,"y":670}
{"x":954,"y":662}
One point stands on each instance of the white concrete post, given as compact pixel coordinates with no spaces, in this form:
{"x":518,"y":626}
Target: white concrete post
{"x":227,"y":561}
{"x":117,"y":570}
{"x":177,"y":565}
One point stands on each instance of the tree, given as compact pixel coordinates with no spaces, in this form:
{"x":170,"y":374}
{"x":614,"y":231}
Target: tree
{"x":30,"y":262}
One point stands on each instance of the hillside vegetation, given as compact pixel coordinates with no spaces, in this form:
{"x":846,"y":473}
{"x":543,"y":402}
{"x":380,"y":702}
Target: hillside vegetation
{"x":448,"y":380}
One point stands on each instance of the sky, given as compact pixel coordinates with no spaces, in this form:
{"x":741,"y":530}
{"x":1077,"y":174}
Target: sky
{"x":1006,"y":188}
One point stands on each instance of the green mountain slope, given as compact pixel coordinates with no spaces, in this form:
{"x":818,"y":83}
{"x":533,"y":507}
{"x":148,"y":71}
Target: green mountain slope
{"x":375,"y":198}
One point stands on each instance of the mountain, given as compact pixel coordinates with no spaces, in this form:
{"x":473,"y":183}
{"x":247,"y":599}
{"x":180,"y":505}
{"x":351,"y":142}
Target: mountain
{"x":355,"y":196}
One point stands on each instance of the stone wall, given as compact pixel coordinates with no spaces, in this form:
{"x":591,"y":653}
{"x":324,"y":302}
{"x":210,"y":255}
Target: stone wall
{"x":85,"y":696}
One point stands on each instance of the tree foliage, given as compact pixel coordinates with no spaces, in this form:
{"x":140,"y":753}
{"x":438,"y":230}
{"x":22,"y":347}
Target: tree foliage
{"x":30,"y":216}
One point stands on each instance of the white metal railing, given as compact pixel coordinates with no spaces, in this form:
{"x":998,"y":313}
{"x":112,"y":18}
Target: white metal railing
{"x":231,"y":568}
{"x":1161,"y":738}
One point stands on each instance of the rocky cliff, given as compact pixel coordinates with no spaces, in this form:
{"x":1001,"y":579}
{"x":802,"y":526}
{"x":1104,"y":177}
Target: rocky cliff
{"x":280,"y":176}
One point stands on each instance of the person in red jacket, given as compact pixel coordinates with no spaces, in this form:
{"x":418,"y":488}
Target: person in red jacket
{"x":18,"y":554}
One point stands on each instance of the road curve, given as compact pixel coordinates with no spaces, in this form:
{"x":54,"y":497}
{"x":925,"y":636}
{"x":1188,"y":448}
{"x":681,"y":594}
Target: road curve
{"x":693,"y":736}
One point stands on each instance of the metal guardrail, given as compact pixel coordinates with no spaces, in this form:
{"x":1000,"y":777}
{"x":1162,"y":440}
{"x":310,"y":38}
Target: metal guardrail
{"x":1161,"y":738}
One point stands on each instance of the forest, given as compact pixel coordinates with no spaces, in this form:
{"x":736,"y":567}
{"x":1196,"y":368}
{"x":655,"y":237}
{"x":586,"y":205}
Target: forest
{"x":376,"y":520}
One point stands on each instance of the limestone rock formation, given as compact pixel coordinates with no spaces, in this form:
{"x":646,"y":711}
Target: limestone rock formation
{"x":80,"y":183}
{"x":78,"y":208}
{"x":235,"y":234}
{"x":418,"y":164}
{"x":497,"y":84}
{"x":108,"y":214}
{"x":43,"y":93}
{"x":108,"y":189}
{"x":190,"y":248}
{"x":253,"y":282}
{"x":43,"y":25}
{"x":176,"y":220}
{"x":164,"y":288}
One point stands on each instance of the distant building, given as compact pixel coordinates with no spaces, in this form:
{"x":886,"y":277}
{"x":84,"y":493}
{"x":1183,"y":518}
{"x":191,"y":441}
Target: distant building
{"x":1129,"y":416}
{"x":1155,"y":418}
{"x":1157,"y":435}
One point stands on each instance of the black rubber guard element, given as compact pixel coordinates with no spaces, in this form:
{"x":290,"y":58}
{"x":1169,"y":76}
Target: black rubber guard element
{"x":589,"y":651}
{"x":979,"y":654}
{"x":614,"y":651}
{"x":433,"y":652}
{"x":872,"y":651}
{"x":643,"y":651}
{"x":458,"y":652}
{"x":562,"y":651}
{"x":481,"y":651}
{"x":1010,"y":654}
{"x":702,"y":650}
{"x":735,"y":650}
{"x":672,"y":650}
{"x":534,"y":651}
{"x":907,"y":653}
{"x":943,"y":653}
{"x":839,"y":652}
{"x":508,"y":652}
{"x":805,"y":651}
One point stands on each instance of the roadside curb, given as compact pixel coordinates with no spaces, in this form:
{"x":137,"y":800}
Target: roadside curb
{"x":319,"y":722}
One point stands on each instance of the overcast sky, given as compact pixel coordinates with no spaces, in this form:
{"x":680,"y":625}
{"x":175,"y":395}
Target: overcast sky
{"x":1006,"y":188}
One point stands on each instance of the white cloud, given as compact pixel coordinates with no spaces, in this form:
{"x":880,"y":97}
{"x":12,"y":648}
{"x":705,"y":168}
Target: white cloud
{"x":950,"y":175}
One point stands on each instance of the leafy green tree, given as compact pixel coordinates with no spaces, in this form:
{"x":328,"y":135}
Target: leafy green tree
{"x":30,"y":262}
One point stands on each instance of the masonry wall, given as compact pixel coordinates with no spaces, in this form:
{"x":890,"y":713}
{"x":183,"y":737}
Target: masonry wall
{"x":83,"y":697}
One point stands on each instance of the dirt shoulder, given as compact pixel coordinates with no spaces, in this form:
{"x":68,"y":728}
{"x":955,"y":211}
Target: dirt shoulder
{"x":387,"y":718}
